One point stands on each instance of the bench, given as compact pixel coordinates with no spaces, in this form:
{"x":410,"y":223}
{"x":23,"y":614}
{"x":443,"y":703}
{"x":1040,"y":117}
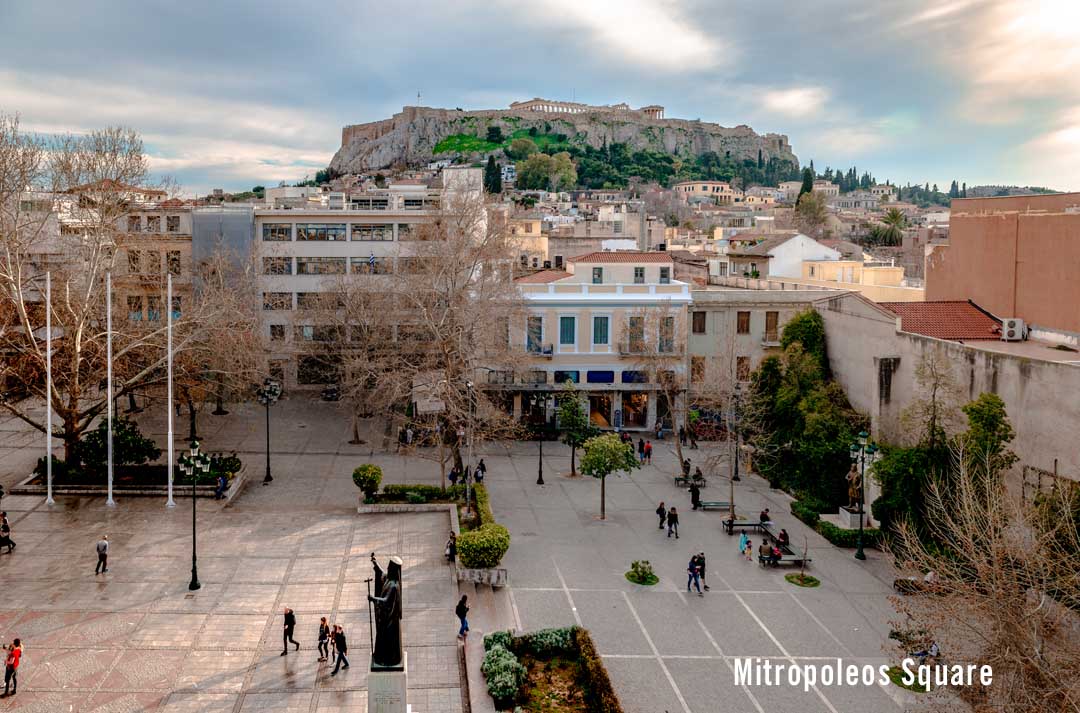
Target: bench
{"x":730,"y":526}
{"x":785,"y":559}
{"x":683,"y":481}
{"x":714,"y":505}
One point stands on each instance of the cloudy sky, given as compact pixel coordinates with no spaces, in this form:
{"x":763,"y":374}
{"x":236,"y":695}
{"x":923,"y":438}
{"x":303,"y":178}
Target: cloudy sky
{"x":241,"y":93}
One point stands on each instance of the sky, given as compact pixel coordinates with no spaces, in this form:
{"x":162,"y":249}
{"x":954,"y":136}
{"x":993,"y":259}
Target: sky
{"x":242,"y":93}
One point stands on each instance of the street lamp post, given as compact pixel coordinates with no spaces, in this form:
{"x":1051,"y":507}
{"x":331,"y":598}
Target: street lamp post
{"x":194,"y":464}
{"x":861,"y":452}
{"x":268,"y":394}
{"x":734,"y":468}
{"x":542,"y":401}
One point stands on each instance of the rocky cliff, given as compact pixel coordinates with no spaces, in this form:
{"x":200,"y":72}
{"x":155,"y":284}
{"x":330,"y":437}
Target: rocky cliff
{"x":410,"y":138}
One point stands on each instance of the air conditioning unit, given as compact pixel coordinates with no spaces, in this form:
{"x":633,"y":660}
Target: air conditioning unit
{"x":1012,"y":330}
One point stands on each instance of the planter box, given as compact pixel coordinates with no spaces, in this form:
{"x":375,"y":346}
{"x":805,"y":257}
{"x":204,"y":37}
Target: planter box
{"x":26,"y":487}
{"x":498,"y":577}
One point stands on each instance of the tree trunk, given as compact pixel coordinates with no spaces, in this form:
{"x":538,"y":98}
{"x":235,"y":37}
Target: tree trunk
{"x":219,"y":398}
{"x":603,"y":511}
{"x":356,"y":430}
{"x":573,"y":464}
{"x":193,"y":434}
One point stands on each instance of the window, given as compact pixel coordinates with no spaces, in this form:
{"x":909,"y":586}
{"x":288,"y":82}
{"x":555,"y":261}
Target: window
{"x":153,"y":308}
{"x":697,"y":369}
{"x":277,"y":232}
{"x":176,"y":307}
{"x":277,"y":332}
{"x":312,"y":370}
{"x":153,"y":223}
{"x":277,"y":300}
{"x":811,"y":271}
{"x":665,"y":276}
{"x":600,"y":330}
{"x":742,"y":368}
{"x":561,"y":377}
{"x":134,"y":261}
{"x":634,"y":377}
{"x":742,"y":325}
{"x":536,"y":376}
{"x":317,"y":333}
{"x":722,"y":269}
{"x":600,"y":377}
{"x":558,"y":262}
{"x":369,"y":203}
{"x":639,"y":276}
{"x":318,"y":300}
{"x":666,"y":343}
{"x":771,"y":321}
{"x":635,"y":334}
{"x":172,"y":224}
{"x":134,"y":222}
{"x":172,"y":259}
{"x":320,"y":231}
{"x":277,"y":265}
{"x":135,"y":313}
{"x":405,"y":231}
{"x":320,"y":266}
{"x":372,"y":265}
{"x":567,"y":331}
{"x":534,"y":333}
{"x":598,"y":275}
{"x":699,"y":322}
{"x":383,"y":231}
{"x":277,"y":371}
{"x":153,"y":262}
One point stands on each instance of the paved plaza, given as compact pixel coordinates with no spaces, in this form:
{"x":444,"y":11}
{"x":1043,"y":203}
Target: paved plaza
{"x":136,"y":639}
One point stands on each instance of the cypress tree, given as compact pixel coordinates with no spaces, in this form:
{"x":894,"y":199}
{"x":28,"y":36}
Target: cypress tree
{"x":492,"y":177}
{"x":807,"y":180}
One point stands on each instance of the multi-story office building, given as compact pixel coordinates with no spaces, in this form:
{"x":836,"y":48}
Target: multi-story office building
{"x":156,"y":242}
{"x":607,"y":324}
{"x":302,"y":255}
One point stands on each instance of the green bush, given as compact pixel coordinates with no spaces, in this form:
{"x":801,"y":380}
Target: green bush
{"x":428,"y":492}
{"x":483,"y":504}
{"x":367,"y":477}
{"x":848,"y":538}
{"x":545,"y":643}
{"x":641,"y":572}
{"x":484,"y":547}
{"x":130,"y":447}
{"x":599,"y":694}
{"x":415,"y":499}
{"x":805,"y":513}
{"x":505,"y":675}
{"x":501,"y":638}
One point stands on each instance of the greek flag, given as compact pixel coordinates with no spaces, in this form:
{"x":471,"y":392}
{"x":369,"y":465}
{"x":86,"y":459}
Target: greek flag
{"x":371,"y":262}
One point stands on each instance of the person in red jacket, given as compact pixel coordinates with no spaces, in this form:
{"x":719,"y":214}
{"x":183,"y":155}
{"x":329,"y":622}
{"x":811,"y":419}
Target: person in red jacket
{"x":11,"y":667}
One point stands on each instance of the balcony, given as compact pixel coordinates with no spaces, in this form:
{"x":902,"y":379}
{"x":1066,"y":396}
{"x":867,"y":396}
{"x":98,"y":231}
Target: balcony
{"x":541,"y":350}
{"x":640,"y":348}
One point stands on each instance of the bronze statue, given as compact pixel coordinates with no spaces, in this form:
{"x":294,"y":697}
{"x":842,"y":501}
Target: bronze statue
{"x":854,"y":489}
{"x":386,"y":654}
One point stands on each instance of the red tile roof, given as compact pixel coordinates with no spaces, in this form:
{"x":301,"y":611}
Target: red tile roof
{"x":627,"y":256}
{"x":107,"y":184}
{"x":947,"y":319}
{"x":542,"y":277}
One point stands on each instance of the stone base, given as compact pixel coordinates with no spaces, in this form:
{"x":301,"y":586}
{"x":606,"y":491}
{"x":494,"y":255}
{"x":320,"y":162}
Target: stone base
{"x":849,"y":519}
{"x":387,"y":690}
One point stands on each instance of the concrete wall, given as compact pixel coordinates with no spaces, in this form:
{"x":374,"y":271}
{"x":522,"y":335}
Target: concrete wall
{"x":876,"y":365}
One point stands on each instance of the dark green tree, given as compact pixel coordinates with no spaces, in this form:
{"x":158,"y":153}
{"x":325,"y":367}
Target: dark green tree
{"x":495,"y":134}
{"x":760,"y":159}
{"x":492,"y":176}
{"x":574,"y":423}
{"x":808,"y":328}
{"x":605,"y":455}
{"x":807,"y":180}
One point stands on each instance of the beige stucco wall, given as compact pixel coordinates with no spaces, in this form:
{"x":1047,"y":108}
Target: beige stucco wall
{"x":1042,"y":397}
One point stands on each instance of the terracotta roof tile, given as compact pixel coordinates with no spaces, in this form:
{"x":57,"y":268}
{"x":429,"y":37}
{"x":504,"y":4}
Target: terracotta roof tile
{"x":542,"y":277}
{"x":946,"y":319}
{"x":623,"y":256}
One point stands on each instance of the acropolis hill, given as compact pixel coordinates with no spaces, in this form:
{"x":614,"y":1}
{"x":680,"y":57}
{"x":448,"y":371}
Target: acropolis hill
{"x":410,"y":137}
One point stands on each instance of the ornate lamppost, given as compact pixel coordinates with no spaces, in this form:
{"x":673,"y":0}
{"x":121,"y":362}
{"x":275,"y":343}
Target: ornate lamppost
{"x":194,"y":465}
{"x":541,"y":400}
{"x":862,"y":452}
{"x":268,"y":394}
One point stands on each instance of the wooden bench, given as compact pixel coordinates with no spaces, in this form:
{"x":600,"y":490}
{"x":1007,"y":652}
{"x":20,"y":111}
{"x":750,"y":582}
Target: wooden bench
{"x":714,"y":505}
{"x":785,"y":559}
{"x":730,"y":526}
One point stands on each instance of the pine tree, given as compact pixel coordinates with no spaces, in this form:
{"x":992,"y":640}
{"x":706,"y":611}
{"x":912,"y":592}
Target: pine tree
{"x":760,"y":159}
{"x":954,"y":190}
{"x":807,"y":180}
{"x":963,"y":191}
{"x":812,"y":168}
{"x":492,"y":177}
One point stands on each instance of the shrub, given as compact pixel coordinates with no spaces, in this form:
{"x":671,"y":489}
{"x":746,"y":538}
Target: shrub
{"x":428,"y":492}
{"x":504,"y":673}
{"x":641,"y":572}
{"x":130,"y":447}
{"x":367,"y":477}
{"x":500,"y":638}
{"x":545,"y":643}
{"x":599,"y":693}
{"x":484,"y":547}
{"x":415,"y":498}
{"x":848,"y":538}
{"x":804,"y":513}
{"x":483,"y":504}
{"x":228,"y":465}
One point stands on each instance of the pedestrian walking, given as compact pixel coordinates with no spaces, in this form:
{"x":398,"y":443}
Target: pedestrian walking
{"x":454,"y":475}
{"x":480,"y":472}
{"x":692,"y":575}
{"x":287,"y":634}
{"x":695,"y":496}
{"x":641,"y":449}
{"x":462,"y":611}
{"x":451,"y":548}
{"x":222,"y":485}
{"x":682,"y":435}
{"x":661,"y":512}
{"x":324,"y":639}
{"x":5,"y":533}
{"x":749,"y":551}
{"x":673,"y":522}
{"x":701,"y":570}
{"x":648,"y":452}
{"x":743,"y":540}
{"x":693,"y":438}
{"x":409,"y":435}
{"x":11,"y":667}
{"x":102,"y":547}
{"x":340,"y":649}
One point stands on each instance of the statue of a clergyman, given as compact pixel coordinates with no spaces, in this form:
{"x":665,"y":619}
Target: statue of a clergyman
{"x":387,"y":601}
{"x":854,"y":489}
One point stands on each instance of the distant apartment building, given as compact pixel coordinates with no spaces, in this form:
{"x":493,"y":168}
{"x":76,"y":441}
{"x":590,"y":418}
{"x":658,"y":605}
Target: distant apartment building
{"x":1015,"y":256}
{"x":855,"y":200}
{"x":302,"y":255}
{"x":826,"y":188}
{"x":719,"y":192}
{"x":155,"y":243}
{"x":790,"y":190}
{"x":604,"y":324}
{"x":885,"y":193}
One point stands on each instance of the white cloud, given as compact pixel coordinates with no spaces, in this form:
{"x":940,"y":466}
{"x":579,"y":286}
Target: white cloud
{"x":795,"y":102}
{"x":655,"y":34}
{"x":1054,"y":156}
{"x":848,"y":141}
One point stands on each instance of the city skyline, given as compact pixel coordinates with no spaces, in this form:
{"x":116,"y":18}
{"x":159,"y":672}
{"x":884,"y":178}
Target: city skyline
{"x":979,"y":92}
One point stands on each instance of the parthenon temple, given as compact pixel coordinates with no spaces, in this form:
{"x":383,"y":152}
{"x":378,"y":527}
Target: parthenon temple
{"x":550,"y":106}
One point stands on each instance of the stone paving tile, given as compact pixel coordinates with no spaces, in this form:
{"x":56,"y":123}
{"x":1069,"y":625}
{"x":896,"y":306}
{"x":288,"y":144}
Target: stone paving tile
{"x":46,"y":629}
{"x":104,"y":628}
{"x":433,"y":666}
{"x":141,"y":669}
{"x":423,"y":700}
{"x":264,"y":570}
{"x":167,"y":630}
{"x":349,"y":702}
{"x":122,"y":702}
{"x":199,"y":703}
{"x":314,"y":598}
{"x":214,"y":670}
{"x":259,"y":598}
{"x":31,"y":701}
{"x":273,"y":672}
{"x":296,"y":702}
{"x":232,"y":631}
{"x":45,"y":669}
{"x":317,"y":570}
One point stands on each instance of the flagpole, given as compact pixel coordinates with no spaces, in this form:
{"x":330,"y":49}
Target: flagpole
{"x":170,"y":503}
{"x":48,"y":389}
{"x":109,"y":379}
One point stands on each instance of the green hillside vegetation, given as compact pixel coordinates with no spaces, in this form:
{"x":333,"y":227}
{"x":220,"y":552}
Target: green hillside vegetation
{"x":470,"y":143}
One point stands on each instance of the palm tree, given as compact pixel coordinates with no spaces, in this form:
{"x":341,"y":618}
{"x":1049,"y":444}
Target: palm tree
{"x":894,"y":222}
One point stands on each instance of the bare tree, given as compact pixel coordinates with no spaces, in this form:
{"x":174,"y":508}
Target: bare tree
{"x":933,"y":416}
{"x":431,"y":328}
{"x":63,"y":203}
{"x":1004,"y":590}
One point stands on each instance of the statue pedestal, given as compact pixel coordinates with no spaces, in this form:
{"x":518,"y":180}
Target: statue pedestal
{"x":387,"y":690}
{"x":849,"y":519}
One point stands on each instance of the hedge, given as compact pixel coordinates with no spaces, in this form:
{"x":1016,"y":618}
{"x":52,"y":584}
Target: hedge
{"x":428,"y":492}
{"x":836,"y":535}
{"x":505,"y":675}
{"x":545,"y":644}
{"x":484,"y":547}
